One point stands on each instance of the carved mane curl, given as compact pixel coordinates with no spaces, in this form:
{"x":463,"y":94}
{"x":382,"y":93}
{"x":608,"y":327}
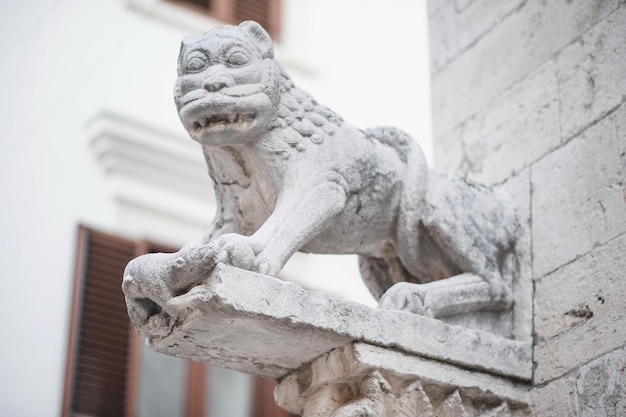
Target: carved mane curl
{"x":300,"y":118}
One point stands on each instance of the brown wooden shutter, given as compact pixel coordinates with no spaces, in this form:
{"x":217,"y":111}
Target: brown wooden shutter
{"x":100,"y":339}
{"x":195,"y":401}
{"x":265,"y":12}
{"x":263,"y":404}
{"x":253,"y":10}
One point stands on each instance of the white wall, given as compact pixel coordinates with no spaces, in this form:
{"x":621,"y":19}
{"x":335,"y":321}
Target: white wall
{"x":63,"y":62}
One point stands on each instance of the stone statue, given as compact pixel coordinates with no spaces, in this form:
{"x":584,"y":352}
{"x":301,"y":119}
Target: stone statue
{"x":291,"y":175}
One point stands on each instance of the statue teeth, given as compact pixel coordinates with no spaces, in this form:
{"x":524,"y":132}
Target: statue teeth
{"x":222,"y":119}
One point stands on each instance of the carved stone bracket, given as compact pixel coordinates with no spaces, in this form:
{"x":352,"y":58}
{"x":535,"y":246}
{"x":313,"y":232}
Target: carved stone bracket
{"x":365,"y":380}
{"x":259,"y":324}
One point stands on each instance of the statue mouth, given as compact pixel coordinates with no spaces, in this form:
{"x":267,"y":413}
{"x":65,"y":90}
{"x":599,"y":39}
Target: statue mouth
{"x":218,"y":119}
{"x":223,"y":120}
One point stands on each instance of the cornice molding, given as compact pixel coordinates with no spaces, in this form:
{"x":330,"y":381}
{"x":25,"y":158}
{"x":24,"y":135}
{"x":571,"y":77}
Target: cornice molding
{"x":151,"y":169}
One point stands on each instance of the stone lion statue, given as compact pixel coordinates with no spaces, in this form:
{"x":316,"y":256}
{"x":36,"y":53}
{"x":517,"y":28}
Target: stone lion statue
{"x":291,"y":175}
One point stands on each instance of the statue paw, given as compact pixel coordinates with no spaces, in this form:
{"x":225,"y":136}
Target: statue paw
{"x":145,"y":288}
{"x":264,"y":266}
{"x":232,"y":249}
{"x":141,"y":307}
{"x":239,"y":251}
{"x":406,"y":296}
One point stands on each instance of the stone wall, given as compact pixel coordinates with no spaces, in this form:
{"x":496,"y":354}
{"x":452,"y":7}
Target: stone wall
{"x":530,"y":96}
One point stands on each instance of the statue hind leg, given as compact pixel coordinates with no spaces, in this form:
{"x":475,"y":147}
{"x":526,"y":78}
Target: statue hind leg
{"x":474,"y":232}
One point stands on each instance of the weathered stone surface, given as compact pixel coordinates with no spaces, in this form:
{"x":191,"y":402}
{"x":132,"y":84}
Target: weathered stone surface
{"x":519,"y":188}
{"x":558,"y":398}
{"x":259,"y":324}
{"x":457,"y":25}
{"x":526,"y":39}
{"x":600,"y":386}
{"x":579,"y":310}
{"x":365,"y":380}
{"x":595,"y":389}
{"x":592,"y":74}
{"x":620,"y":122}
{"x":477,"y":18}
{"x":578,"y":196}
{"x":515,"y":130}
{"x":435,"y":7}
{"x":444,"y":39}
{"x":449,"y":154}
{"x":518,"y":321}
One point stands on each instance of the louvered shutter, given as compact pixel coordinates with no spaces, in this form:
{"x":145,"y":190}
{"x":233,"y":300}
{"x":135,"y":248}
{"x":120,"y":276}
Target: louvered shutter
{"x":265,"y":12}
{"x":100,"y":340}
{"x":253,"y":10}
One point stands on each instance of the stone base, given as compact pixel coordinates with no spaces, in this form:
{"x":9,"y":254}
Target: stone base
{"x":261,"y":325}
{"x":365,"y":380}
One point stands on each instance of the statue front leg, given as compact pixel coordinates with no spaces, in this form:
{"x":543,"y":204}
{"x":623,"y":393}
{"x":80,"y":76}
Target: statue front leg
{"x":296,"y":219}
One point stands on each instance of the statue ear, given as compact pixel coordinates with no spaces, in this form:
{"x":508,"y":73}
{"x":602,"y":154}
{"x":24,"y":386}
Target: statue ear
{"x":181,"y":54}
{"x":263,"y":40}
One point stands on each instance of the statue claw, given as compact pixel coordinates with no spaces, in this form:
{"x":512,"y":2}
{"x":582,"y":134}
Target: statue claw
{"x":406,"y":296}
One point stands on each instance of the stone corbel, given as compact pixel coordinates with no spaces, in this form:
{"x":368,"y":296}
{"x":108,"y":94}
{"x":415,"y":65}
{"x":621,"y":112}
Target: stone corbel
{"x":360,"y":379}
{"x":334,"y":357}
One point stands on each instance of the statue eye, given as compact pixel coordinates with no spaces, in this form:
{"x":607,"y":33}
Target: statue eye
{"x":196,"y":62}
{"x":238,"y":58}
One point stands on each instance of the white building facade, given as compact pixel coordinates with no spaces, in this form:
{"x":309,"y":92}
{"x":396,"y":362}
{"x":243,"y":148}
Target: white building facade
{"x":89,"y":135}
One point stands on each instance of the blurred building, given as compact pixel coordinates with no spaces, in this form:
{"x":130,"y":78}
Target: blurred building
{"x":96,"y":169}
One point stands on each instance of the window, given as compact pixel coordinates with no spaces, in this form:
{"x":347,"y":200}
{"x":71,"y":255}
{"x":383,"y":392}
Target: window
{"x":110,"y":373}
{"x":266,"y":12}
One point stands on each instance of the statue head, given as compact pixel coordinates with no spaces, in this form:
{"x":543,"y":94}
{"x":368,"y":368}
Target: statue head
{"x":227,"y":87}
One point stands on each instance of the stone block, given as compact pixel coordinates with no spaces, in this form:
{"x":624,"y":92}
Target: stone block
{"x":526,"y":39}
{"x":478,"y":17}
{"x":595,"y":389}
{"x":435,"y":6}
{"x":457,"y":25}
{"x":578,"y":196}
{"x":558,"y":398}
{"x":592,"y":74}
{"x":515,"y":130}
{"x":443,"y":39}
{"x":449,"y":154}
{"x":258,"y":324}
{"x":620,"y":122}
{"x":580,"y":312}
{"x":601,"y":386}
